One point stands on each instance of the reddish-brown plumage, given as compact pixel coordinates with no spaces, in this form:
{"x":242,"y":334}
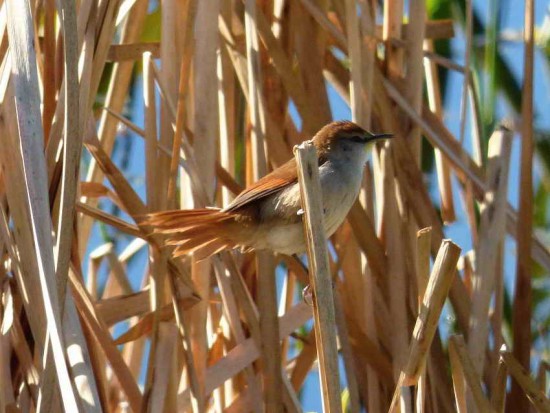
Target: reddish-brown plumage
{"x":286,"y":174}
{"x":208,"y":231}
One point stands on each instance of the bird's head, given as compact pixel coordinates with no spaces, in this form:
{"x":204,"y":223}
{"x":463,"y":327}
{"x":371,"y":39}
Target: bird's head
{"x":344,"y":138}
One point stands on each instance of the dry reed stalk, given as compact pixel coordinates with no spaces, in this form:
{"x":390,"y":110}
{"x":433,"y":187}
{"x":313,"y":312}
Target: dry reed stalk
{"x":286,"y":327}
{"x":251,"y":314}
{"x":115,"y":309}
{"x":498,"y":396}
{"x":347,"y":354}
{"x":309,"y":45}
{"x":133,"y":51}
{"x":291,"y":79}
{"x":231,"y":313}
{"x":426,"y":324}
{"x":414,"y":38}
{"x":467,"y":170}
{"x":374,"y":385}
{"x":467,"y":62}
{"x":7,"y":400}
{"x":265,"y":268}
{"x":544,"y":367}
{"x":155,"y":290}
{"x":492,"y":233}
{"x":100,"y":333}
{"x":158,"y":397}
{"x":425,"y":214}
{"x":423,"y":244}
{"x":351,"y":256}
{"x":13,"y":336}
{"x":277,"y":150}
{"x":393,"y":235}
{"x":269,"y":328}
{"x":370,"y":353}
{"x":465,"y":365}
{"x":247,"y":350}
{"x":321,"y":281}
{"x":226,"y":107}
{"x":497,"y":317}
{"x":48,"y":65}
{"x":30,"y":286}
{"x":392,"y":29}
{"x":433,"y":88}
{"x":188,"y":14}
{"x":20,"y":30}
{"x":521,"y":325}
{"x":108,"y":219}
{"x":171,"y":55}
{"x":116,"y":96}
{"x":130,"y":200}
{"x":422,"y":208}
{"x":523,"y":379}
{"x":363,"y":57}
{"x":416,"y":194}
{"x":371,"y":390}
{"x":72,"y":148}
{"x":365,"y":235}
{"x":459,"y":380}
{"x":321,"y":18}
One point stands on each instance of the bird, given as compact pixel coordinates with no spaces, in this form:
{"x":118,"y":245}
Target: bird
{"x":267,"y":215}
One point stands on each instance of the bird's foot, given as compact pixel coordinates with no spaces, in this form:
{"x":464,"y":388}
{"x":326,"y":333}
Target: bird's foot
{"x":307,"y":295}
{"x":301,"y":212}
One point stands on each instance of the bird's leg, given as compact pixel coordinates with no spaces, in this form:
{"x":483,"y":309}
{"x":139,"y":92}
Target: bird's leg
{"x":307,"y":292}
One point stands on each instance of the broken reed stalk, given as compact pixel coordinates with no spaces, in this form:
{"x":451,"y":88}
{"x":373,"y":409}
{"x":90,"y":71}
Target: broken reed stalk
{"x":319,"y":275}
{"x":426,"y":323}
{"x":498,"y":396}
{"x":491,"y":235}
{"x":526,"y":382}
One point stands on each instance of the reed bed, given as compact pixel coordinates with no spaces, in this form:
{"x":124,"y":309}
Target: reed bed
{"x":97,"y":315}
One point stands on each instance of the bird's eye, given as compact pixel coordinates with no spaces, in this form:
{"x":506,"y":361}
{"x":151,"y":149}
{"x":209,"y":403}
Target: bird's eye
{"x":358,"y":139}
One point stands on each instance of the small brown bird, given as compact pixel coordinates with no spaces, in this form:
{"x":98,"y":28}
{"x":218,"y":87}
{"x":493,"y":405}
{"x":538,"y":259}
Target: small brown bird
{"x":267,"y":214}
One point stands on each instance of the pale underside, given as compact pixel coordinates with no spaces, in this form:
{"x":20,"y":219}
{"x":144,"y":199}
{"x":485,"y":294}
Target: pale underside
{"x":285,"y":235}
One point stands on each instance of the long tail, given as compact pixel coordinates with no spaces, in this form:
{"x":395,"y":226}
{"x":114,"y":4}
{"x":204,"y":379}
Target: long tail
{"x":202,"y":231}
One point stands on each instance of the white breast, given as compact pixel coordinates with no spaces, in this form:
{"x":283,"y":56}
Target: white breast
{"x":339,"y":193}
{"x":340,"y":183}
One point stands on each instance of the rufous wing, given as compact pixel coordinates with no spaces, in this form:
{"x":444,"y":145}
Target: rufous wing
{"x":273,"y":182}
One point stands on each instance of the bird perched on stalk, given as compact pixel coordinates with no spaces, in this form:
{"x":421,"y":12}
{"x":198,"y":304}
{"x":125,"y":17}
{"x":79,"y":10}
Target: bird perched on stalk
{"x":267,"y":214}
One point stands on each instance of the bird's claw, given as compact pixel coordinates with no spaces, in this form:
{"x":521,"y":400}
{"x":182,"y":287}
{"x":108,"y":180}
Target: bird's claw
{"x":301,"y":212}
{"x":307,"y":295}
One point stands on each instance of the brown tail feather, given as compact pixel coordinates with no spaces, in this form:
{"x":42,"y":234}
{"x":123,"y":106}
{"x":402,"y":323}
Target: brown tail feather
{"x":203,"y":231}
{"x":210,"y":249}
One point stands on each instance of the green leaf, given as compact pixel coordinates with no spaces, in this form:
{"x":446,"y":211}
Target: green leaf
{"x":151,"y":28}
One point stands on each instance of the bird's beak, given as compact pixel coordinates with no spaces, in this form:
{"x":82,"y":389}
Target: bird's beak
{"x":381,"y":136}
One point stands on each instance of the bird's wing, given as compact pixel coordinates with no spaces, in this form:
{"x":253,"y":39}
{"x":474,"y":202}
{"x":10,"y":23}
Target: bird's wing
{"x":273,"y":182}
